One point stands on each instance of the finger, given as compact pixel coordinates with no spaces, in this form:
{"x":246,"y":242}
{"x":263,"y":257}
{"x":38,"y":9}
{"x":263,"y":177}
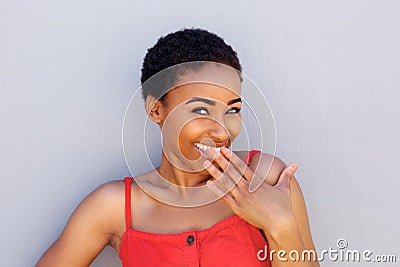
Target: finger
{"x":224,"y":196}
{"x":228,"y":167}
{"x":223,"y":181}
{"x":286,"y":176}
{"x":251,"y":179}
{"x":255,"y":183}
{"x":238,"y":163}
{"x":250,"y":175}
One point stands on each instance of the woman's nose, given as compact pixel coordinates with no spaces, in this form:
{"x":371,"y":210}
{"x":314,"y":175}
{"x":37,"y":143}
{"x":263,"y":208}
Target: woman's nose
{"x":218,"y":132}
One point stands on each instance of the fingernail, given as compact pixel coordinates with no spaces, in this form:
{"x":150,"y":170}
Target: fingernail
{"x":209,"y":152}
{"x":206,"y":163}
{"x":294,"y":167}
{"x":225,"y":150}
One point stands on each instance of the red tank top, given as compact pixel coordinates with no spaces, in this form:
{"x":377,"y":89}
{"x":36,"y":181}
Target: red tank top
{"x":230,"y":242}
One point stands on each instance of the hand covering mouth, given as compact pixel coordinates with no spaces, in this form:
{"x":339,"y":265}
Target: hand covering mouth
{"x":202,"y":148}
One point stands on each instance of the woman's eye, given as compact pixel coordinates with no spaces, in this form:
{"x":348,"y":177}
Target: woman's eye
{"x":201,"y":111}
{"x":235,"y":110}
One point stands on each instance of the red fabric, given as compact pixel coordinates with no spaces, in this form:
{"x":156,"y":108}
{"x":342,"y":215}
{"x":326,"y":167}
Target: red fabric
{"x":230,"y":242}
{"x":250,"y":155}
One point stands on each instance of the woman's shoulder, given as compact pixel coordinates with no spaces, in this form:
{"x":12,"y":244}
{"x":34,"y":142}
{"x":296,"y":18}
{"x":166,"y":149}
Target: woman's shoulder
{"x":97,"y":219}
{"x":265,"y":165}
{"x":110,"y":191}
{"x":106,"y":203}
{"x":109,"y":196}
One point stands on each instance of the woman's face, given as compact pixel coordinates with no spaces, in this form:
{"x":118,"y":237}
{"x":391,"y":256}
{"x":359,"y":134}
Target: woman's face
{"x":203,"y":113}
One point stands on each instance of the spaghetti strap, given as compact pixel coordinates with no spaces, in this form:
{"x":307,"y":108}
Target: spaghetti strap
{"x":250,"y":155}
{"x":128,"y":181}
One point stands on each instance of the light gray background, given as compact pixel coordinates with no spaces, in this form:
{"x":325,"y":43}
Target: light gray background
{"x":328,"y":68}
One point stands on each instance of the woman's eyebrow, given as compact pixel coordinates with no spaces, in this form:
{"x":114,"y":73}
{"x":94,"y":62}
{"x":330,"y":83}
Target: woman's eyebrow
{"x":200,"y":99}
{"x":211,"y":102}
{"x":234,"y":100}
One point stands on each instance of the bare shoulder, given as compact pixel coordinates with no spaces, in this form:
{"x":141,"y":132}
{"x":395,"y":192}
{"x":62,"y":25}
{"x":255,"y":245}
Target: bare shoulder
{"x":96,"y":219}
{"x":107,"y":195}
{"x":265,"y":165}
{"x":109,"y":191}
{"x":109,"y":198}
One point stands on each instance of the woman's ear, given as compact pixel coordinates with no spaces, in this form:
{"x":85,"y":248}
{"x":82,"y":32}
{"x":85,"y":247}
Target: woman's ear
{"x":153,"y":109}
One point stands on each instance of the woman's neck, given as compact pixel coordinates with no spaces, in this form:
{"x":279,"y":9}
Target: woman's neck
{"x":181,"y":177}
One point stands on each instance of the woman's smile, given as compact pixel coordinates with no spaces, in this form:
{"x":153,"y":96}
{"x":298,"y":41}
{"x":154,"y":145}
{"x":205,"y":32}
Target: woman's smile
{"x":202,"y":148}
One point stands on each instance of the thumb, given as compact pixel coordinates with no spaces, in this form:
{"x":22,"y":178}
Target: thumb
{"x":286,"y":177}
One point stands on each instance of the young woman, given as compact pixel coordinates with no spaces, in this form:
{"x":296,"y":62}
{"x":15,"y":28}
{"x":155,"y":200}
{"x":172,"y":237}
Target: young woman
{"x":199,"y":122}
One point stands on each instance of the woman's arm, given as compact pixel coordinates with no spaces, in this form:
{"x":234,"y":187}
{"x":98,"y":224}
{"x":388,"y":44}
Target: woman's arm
{"x":88,"y":230}
{"x":293,"y":233}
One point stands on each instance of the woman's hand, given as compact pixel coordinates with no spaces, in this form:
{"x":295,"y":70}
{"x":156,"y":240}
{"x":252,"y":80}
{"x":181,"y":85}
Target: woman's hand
{"x":278,"y":210}
{"x":267,"y":207}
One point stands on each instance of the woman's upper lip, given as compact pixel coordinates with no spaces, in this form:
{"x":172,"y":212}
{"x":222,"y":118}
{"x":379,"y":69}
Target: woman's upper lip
{"x":221,"y":144}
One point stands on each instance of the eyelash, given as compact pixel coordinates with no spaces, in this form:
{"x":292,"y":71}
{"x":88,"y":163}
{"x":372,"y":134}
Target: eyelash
{"x":237,"y":110}
{"x":202,"y":108}
{"x":197,"y":110}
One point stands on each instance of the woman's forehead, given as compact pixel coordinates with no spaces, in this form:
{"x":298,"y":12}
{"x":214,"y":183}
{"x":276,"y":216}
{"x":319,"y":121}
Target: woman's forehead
{"x":214,"y":92}
{"x":212,"y":73}
{"x":211,"y":80}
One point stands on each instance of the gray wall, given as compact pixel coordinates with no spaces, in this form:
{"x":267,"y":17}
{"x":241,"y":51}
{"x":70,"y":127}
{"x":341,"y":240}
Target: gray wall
{"x":328,"y":68}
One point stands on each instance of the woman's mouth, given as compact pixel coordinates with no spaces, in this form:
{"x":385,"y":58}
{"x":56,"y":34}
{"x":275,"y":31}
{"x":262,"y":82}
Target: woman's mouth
{"x":203,"y":150}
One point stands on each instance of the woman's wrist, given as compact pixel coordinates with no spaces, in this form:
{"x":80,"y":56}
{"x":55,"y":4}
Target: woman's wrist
{"x":282,"y":230}
{"x":284,"y":240}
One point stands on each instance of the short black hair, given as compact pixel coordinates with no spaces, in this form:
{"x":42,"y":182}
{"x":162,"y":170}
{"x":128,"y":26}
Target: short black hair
{"x":186,"y":45}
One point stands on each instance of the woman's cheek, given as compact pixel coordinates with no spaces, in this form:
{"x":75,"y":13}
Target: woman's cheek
{"x":192,"y":130}
{"x":234,"y":127}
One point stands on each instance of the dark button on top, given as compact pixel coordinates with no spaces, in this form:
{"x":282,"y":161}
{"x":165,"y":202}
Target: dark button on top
{"x":190,"y":240}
